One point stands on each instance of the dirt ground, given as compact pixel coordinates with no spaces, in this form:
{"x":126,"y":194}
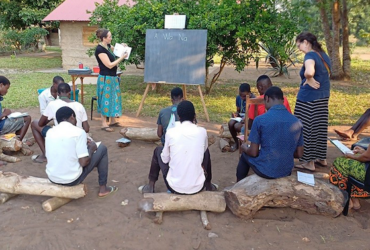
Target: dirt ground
{"x":106,"y":224}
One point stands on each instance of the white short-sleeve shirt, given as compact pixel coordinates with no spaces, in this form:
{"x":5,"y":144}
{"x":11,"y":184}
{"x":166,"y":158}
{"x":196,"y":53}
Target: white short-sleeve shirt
{"x":44,"y":98}
{"x":64,"y":145}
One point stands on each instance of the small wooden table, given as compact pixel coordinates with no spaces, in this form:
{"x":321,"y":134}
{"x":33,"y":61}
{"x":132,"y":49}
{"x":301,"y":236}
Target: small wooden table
{"x":82,"y":76}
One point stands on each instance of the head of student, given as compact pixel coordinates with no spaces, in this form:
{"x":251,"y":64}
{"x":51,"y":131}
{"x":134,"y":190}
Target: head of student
{"x":244,"y":90}
{"x":307,"y":41}
{"x":4,"y":85}
{"x":186,"y":111}
{"x":176,"y":95}
{"x":66,"y":114}
{"x":263,"y":83}
{"x":273,"y":96}
{"x":56,"y":81}
{"x":104,"y":35}
{"x":64,"y":90}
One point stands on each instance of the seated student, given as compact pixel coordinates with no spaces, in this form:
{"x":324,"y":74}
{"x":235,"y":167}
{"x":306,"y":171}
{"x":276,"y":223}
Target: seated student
{"x":235,"y":126}
{"x":276,"y":138}
{"x":166,"y":113}
{"x":184,"y":161}
{"x":49,"y":94}
{"x":19,"y":125}
{"x":71,"y":156}
{"x":357,"y":128}
{"x":39,"y":127}
{"x":263,"y":84}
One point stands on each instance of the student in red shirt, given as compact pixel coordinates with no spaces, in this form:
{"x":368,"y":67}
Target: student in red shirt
{"x":263,"y":83}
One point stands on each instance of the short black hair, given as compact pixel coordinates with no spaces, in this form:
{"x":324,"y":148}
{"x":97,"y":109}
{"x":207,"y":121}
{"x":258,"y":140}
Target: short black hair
{"x":58,"y":79}
{"x":64,"y":113}
{"x":186,"y":111}
{"x":64,"y":88}
{"x":274,"y":93}
{"x":4,"y":80}
{"x":176,"y":93}
{"x":262,"y":78}
{"x":245,"y":87}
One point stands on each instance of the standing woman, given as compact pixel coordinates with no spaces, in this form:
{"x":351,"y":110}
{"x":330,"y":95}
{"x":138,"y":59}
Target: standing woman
{"x":108,"y":89}
{"x":313,"y":101}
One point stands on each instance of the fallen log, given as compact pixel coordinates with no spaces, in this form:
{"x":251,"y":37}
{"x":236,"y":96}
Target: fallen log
{"x":224,"y":131}
{"x":203,"y":201}
{"x":144,"y":134}
{"x":4,"y":197}
{"x":16,"y":184}
{"x":54,"y":203}
{"x":204,"y":219}
{"x":224,"y":145}
{"x":246,"y":197}
{"x":13,"y":145}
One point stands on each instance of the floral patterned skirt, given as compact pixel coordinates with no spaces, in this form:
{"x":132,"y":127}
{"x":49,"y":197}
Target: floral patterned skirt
{"x":109,"y":96}
{"x":342,"y":167}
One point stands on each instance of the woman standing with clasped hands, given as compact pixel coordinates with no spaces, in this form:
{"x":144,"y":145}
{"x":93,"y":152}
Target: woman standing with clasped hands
{"x":313,"y":101}
{"x":108,"y":90}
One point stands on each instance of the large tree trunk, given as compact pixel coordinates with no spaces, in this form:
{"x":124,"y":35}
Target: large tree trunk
{"x":203,"y":201}
{"x":249,"y":195}
{"x":346,"y":49}
{"x":326,"y":27}
{"x":337,"y":70}
{"x":15,"y":184}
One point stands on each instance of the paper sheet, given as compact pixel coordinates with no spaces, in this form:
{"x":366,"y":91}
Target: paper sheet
{"x":119,"y":49}
{"x":308,"y":179}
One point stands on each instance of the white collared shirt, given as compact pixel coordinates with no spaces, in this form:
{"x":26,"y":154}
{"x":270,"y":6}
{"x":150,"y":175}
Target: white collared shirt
{"x":184,"y":149}
{"x":44,"y":98}
{"x":64,"y":145}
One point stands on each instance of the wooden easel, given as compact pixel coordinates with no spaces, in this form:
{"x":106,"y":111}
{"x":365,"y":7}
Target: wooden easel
{"x":184,"y":91}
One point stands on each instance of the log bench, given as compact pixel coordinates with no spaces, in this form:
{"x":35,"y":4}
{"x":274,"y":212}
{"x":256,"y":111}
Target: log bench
{"x":12,"y":184}
{"x":247,"y":196}
{"x":203,"y":201}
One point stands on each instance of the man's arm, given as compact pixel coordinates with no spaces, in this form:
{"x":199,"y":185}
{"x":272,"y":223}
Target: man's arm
{"x":43,"y":121}
{"x":5,"y":113}
{"x":160,"y":130}
{"x":86,"y":126}
{"x":91,"y":147}
{"x":298,"y":153}
{"x":253,"y":150}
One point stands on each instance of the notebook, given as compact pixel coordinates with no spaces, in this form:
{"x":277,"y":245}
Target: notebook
{"x":343,"y":148}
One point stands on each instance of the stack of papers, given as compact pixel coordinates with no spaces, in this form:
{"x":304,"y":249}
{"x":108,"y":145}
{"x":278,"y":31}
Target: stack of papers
{"x":308,"y":179}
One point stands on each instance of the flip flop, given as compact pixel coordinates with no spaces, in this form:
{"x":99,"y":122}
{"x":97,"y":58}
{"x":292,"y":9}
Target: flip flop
{"x":116,"y":124}
{"x":300,"y":166}
{"x":112,"y":190}
{"x":35,"y":158}
{"x":108,"y":129}
{"x":145,"y":189}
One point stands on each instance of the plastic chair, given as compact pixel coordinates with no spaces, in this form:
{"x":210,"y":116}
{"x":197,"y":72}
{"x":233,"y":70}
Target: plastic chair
{"x":77,"y":91}
{"x":363,"y":185}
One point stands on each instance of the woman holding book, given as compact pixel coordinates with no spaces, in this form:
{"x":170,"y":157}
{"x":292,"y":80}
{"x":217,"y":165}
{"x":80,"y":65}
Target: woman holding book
{"x":313,"y":101}
{"x":354,"y":165}
{"x":108,"y":86}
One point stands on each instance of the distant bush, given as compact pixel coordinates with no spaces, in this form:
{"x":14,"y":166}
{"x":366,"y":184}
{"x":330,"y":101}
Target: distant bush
{"x":24,"y":39}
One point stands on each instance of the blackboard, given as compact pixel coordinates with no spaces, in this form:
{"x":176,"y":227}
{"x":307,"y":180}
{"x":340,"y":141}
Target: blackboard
{"x":175,"y":56}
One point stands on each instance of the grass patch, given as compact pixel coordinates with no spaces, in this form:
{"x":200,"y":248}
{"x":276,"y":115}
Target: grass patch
{"x":26,"y":63}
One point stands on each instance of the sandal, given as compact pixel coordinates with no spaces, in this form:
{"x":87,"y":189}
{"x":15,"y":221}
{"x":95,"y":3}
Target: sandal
{"x":112,"y":190}
{"x":36,"y":158}
{"x":107,"y":129}
{"x":116,"y":124}
{"x":302,"y":167}
{"x":145,"y":189}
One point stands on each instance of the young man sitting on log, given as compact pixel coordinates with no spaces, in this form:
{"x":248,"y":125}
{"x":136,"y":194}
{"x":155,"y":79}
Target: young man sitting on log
{"x":184,"y":160}
{"x":40,"y":128}
{"x":49,"y":94}
{"x":168,"y":116}
{"x":71,"y":156}
{"x":8,"y":124}
{"x":276,"y":139}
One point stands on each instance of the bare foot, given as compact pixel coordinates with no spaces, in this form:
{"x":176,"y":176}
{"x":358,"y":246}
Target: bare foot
{"x":355,"y":203}
{"x":310,"y":166}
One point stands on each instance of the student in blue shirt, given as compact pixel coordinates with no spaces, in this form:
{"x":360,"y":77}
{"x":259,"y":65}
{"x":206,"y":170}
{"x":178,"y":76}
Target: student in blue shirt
{"x":276,"y":139}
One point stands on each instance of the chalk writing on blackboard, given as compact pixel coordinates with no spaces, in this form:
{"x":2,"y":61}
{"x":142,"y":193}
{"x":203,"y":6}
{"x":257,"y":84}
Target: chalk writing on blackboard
{"x":171,"y":36}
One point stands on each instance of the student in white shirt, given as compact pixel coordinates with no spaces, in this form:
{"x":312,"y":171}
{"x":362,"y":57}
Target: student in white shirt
{"x":71,"y":156}
{"x":49,"y":94}
{"x":184,"y":160}
{"x":40,"y":128}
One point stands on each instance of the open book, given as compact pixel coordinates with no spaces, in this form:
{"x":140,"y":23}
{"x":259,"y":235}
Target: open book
{"x":343,"y":148}
{"x":119,"y":49}
{"x":17,"y":115}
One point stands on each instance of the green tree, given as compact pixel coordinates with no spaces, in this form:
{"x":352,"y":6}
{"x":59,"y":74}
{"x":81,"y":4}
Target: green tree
{"x":234,"y":27}
{"x":20,"y":14}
